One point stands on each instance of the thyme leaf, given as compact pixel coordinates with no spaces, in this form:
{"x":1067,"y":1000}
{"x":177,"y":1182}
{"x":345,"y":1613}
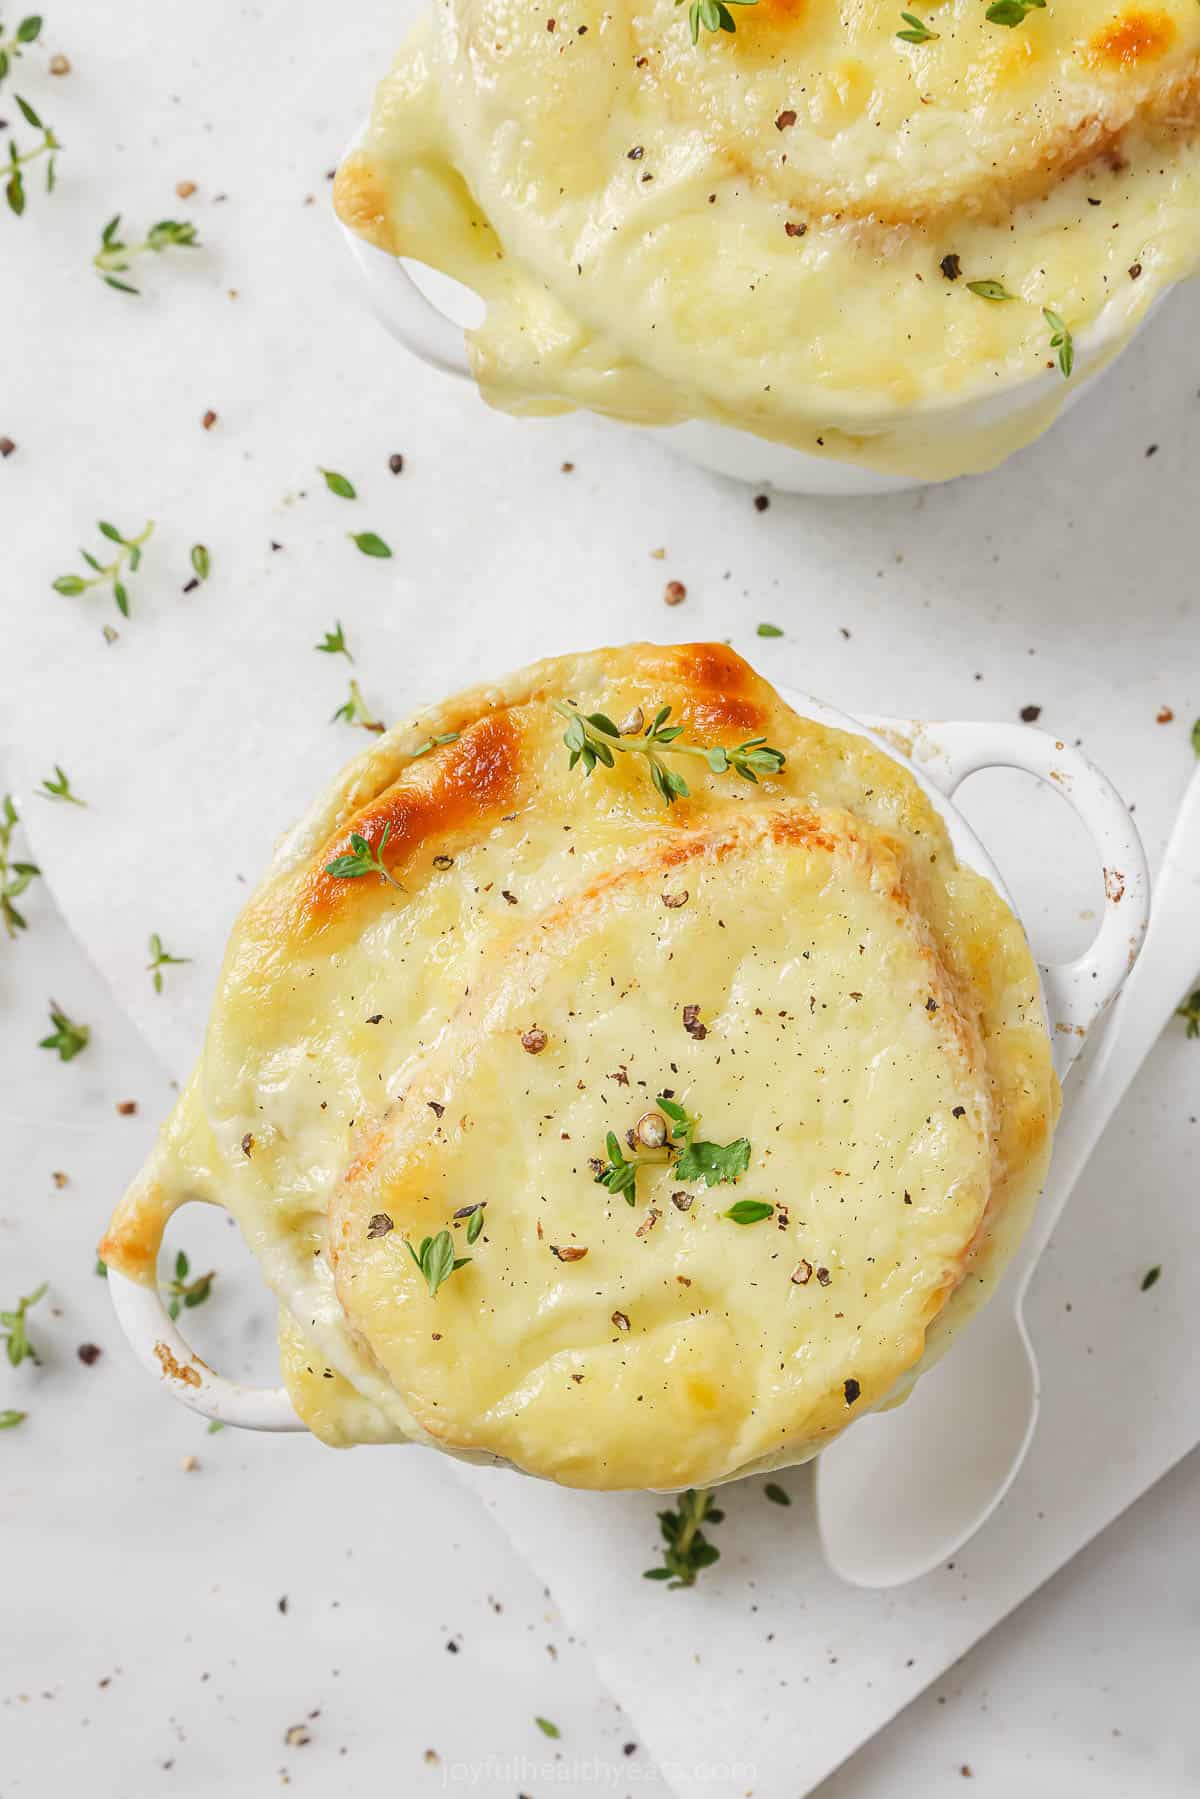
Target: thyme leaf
{"x":18,"y":1345}
{"x":687,"y":1551}
{"x":68,"y":1038}
{"x":15,"y":876}
{"x":59,"y":788}
{"x":184,"y":1293}
{"x":159,"y":959}
{"x":712,"y":15}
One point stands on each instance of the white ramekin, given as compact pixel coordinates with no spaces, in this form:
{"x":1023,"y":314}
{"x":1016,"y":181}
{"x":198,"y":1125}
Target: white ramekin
{"x":941,"y":757}
{"x":402,"y":304}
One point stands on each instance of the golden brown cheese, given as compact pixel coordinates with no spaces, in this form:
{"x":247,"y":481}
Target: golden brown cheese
{"x":756,"y":230}
{"x":343,"y":1002}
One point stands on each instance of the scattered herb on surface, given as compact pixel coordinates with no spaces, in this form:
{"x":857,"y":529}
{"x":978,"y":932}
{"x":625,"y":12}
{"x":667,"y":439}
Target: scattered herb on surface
{"x":749,"y":1211}
{"x":355,"y":711}
{"x":918,"y":31}
{"x":59,"y":788}
{"x":1010,"y":12}
{"x":334,"y":642}
{"x":19,"y":160}
{"x":17,"y":1342}
{"x":370,"y":544}
{"x":201,"y":561}
{"x":990,"y":290}
{"x":114,"y":256}
{"x":159,"y":959}
{"x":339,"y":485}
{"x":619,"y":1173}
{"x":1196,"y":736}
{"x":1060,"y":340}
{"x":547,"y":1728}
{"x":712,"y":15}
{"x":129,"y":550}
{"x":67,"y":1037}
{"x":712,"y":1163}
{"x":593,"y":738}
{"x":9,"y":1420}
{"x":777,"y":1494}
{"x":101,"y":1268}
{"x":1190,"y":1010}
{"x":182,"y":1293}
{"x":363,"y":859}
{"x":436,"y":1259}
{"x":1150,"y":1277}
{"x":688,"y":1551}
{"x":475,"y":1222}
{"x":15,"y":876}
{"x":770,"y":631}
{"x":14,"y":47}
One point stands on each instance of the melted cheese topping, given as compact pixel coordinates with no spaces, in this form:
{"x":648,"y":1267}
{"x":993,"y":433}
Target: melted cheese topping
{"x":857,"y":988}
{"x":663,"y":1344}
{"x":756,"y":230}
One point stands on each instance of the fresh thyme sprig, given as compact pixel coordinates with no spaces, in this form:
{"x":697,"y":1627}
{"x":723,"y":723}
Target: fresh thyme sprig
{"x":114,"y":257}
{"x":713,"y":15}
{"x":19,"y":160}
{"x":363,"y":859}
{"x":436,"y":1259}
{"x":129,"y":550}
{"x":182,"y":1292}
{"x":159,"y":959}
{"x":688,"y":1551}
{"x":1190,"y":1010}
{"x":17,"y":1344}
{"x":14,"y":47}
{"x":355,"y":711}
{"x":59,"y":788}
{"x":675,"y":1135}
{"x":990,"y":290}
{"x":67,"y":1037}
{"x":15,"y":876}
{"x":593,"y":738}
{"x":1010,"y":12}
{"x":619,"y":1174}
{"x":1060,"y":337}
{"x":918,"y":31}
{"x":334,"y":642}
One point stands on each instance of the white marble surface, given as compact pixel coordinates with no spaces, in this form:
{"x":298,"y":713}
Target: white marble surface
{"x":1066,"y":580}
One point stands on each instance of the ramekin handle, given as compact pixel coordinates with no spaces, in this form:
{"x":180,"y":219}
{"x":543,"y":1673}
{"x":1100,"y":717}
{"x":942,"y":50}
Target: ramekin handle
{"x":410,"y":316}
{"x":158,"y":1345}
{"x":1078,"y":991}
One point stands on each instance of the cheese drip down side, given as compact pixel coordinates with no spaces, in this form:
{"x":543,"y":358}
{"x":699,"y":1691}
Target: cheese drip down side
{"x":757,"y":232}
